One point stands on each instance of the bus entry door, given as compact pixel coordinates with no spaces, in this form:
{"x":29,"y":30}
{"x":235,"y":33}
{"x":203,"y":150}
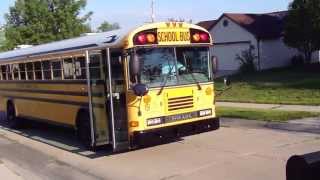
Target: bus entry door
{"x":96,"y":93}
{"x":116,"y":101}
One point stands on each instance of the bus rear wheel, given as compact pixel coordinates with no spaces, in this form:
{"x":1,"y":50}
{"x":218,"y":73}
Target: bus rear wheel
{"x":84,"y":130}
{"x":12,"y":119}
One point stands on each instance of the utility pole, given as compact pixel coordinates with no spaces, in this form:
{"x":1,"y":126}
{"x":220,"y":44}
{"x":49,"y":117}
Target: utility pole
{"x":153,"y":16}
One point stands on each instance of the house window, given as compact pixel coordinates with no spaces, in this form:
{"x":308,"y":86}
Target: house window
{"x":225,"y":23}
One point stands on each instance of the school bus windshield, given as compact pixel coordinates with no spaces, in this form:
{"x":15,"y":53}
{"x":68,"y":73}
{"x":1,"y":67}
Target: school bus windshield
{"x":171,"y":66}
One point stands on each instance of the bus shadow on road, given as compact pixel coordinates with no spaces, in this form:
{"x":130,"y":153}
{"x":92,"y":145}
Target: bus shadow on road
{"x":65,"y":138}
{"x":56,"y":136}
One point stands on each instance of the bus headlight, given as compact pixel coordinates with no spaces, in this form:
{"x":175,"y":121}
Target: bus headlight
{"x":206,"y":112}
{"x":154,"y":121}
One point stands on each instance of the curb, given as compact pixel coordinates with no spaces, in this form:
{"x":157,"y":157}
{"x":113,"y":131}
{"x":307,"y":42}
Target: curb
{"x":287,"y":126}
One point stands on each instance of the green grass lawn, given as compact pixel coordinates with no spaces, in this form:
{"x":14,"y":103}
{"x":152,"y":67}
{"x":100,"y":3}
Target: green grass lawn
{"x":263,"y":115}
{"x":279,"y":86}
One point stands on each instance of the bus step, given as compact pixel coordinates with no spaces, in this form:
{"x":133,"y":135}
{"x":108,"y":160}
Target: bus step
{"x":121,"y":136}
{"x":121,"y":146}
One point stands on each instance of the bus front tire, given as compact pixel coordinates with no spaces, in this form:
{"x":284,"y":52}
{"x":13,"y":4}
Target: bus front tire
{"x":84,"y":130}
{"x":12,"y":119}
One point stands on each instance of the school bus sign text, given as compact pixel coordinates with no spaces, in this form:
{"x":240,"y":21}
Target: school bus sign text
{"x":173,"y":36}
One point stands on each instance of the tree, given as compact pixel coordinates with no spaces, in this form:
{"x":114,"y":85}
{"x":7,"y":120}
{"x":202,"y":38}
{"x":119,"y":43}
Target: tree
{"x":40,"y":21}
{"x":106,"y":26}
{"x":303,"y":26}
{"x":2,"y":38}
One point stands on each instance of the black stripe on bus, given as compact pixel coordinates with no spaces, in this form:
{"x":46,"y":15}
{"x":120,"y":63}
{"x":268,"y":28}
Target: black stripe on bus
{"x":75,"y":103}
{"x":71,"y":93}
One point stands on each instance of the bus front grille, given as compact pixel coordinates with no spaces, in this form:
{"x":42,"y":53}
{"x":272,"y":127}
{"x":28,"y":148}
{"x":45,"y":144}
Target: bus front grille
{"x":178,"y":103}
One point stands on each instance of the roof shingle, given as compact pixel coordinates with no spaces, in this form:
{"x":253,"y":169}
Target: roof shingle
{"x":263,"y":26}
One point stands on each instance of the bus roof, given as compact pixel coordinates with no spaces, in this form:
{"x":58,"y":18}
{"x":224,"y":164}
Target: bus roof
{"x":106,"y":39}
{"x":122,"y":38}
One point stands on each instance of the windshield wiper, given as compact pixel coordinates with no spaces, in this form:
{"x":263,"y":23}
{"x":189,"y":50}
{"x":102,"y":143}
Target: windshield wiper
{"x":165,"y":81}
{"x":195,"y":80}
{"x":192,"y":75}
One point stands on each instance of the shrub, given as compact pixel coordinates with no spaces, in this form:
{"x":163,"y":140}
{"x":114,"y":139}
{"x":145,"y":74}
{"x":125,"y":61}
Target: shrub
{"x":247,"y":60}
{"x":297,"y":61}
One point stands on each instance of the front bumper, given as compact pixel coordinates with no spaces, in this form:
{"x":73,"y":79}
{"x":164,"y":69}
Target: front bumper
{"x":154,"y":136}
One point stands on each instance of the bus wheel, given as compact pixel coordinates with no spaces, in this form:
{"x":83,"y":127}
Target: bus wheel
{"x":84,"y":129}
{"x":12,"y":119}
{"x":216,"y":124}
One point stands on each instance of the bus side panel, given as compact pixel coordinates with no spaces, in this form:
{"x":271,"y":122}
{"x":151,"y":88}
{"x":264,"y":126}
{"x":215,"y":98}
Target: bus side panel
{"x":3,"y":104}
{"x":53,"y":112}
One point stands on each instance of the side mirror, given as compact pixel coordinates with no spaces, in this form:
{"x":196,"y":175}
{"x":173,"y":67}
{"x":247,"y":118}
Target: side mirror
{"x":214,"y":64}
{"x":140,"y":89}
{"x":134,"y":66}
{"x":226,"y":81}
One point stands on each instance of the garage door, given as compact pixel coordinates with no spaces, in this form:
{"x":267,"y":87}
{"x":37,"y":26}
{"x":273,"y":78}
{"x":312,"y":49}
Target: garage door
{"x":226,"y":53}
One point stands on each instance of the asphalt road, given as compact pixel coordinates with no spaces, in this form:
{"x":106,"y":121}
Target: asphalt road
{"x":233,"y":153}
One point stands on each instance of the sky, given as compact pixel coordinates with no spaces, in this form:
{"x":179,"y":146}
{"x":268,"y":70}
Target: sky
{"x":130,"y":13}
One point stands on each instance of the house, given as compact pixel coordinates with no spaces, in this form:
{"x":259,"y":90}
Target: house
{"x":235,"y":33}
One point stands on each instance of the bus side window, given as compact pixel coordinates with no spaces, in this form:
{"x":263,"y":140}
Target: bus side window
{"x":117,"y":72}
{"x":9,"y":73}
{"x":46,"y":70}
{"x":68,"y":69}
{"x":22,"y":71}
{"x":80,"y":67}
{"x":4,"y":72}
{"x":56,"y":70}
{"x":95,"y":69}
{"x":30,"y":74}
{"x":37,"y":70}
{"x":15,"y":71}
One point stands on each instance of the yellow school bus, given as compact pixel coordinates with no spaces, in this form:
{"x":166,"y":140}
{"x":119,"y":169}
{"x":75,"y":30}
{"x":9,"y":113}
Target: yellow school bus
{"x":115,"y":88}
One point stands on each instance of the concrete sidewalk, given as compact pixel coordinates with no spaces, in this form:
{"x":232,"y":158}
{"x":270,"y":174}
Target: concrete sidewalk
{"x":7,"y":174}
{"x":271,"y":106}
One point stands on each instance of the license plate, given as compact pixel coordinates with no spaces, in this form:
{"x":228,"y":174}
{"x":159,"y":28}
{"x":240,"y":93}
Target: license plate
{"x":180,"y":117}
